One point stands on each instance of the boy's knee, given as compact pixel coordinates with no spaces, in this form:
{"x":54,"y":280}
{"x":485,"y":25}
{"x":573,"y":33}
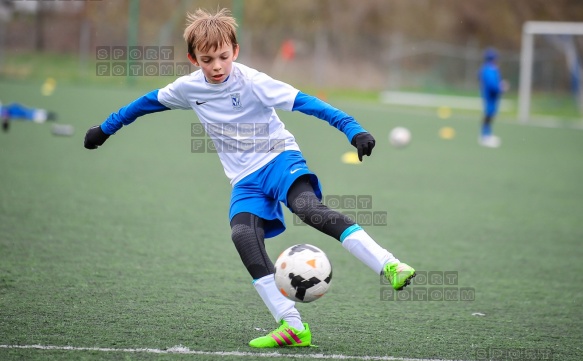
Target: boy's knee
{"x":304,"y":203}
{"x":242,"y":233}
{"x":251,"y":249}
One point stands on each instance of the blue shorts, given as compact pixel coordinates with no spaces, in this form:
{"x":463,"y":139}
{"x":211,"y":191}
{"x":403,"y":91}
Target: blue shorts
{"x":261,"y":192}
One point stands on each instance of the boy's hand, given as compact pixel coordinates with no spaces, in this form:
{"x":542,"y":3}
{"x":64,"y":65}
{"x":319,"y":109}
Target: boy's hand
{"x":364,"y":143}
{"x":505,"y":86}
{"x":95,"y":137}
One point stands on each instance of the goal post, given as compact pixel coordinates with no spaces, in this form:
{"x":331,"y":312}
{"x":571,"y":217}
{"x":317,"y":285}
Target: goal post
{"x":529,"y":30}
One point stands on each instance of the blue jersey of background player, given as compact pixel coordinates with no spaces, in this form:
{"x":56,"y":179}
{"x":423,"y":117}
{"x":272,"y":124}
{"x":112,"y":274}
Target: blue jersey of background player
{"x":491,"y":89}
{"x":236,"y":104}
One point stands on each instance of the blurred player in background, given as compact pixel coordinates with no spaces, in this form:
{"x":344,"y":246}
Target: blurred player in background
{"x":492,"y":86}
{"x":236,"y":104}
{"x":17,"y":111}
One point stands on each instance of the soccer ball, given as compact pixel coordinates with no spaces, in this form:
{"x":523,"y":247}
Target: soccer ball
{"x":399,"y":137}
{"x":303,"y":273}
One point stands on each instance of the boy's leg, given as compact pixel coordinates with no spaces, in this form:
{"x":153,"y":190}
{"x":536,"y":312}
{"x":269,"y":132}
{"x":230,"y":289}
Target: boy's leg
{"x":486,"y":126}
{"x":487,"y":138}
{"x":19,"y":111}
{"x":248,"y":236}
{"x":5,"y":123}
{"x":4,"y":117}
{"x":304,"y":203}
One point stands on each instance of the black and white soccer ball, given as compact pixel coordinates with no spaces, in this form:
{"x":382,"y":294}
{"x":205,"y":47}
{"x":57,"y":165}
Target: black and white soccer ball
{"x":303,"y":273}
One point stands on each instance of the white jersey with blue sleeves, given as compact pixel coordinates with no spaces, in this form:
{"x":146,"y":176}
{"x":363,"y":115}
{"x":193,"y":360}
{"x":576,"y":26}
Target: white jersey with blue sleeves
{"x":238,"y":115}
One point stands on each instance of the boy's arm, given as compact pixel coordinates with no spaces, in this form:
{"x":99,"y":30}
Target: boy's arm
{"x":146,"y":104}
{"x":356,"y":134}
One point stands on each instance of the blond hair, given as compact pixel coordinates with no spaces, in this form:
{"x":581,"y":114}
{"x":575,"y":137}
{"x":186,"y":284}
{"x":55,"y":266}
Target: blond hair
{"x":206,"y":31}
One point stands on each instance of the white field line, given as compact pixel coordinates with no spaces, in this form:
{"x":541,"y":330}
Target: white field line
{"x":186,"y":351}
{"x":436,"y":100}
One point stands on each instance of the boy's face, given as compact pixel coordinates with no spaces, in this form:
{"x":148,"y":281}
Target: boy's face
{"x":216,"y":64}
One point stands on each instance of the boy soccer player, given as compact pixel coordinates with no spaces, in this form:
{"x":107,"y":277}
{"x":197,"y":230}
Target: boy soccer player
{"x":491,"y":88}
{"x":262,"y":160}
{"x":16,"y":111}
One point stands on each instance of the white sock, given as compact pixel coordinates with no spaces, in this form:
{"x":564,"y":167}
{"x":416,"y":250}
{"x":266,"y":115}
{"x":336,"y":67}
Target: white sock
{"x":39,"y":115}
{"x":363,"y":247}
{"x":281,"y":307}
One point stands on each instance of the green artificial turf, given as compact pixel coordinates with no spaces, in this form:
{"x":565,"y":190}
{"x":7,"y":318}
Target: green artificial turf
{"x":128,"y":246}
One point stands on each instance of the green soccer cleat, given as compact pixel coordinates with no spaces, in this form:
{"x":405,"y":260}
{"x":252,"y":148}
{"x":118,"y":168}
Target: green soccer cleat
{"x":284,"y":336}
{"x":399,"y":274}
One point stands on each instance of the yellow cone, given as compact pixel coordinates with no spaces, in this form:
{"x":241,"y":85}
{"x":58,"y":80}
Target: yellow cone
{"x":444,"y":112}
{"x":350,"y":158}
{"x":48,"y":87}
{"x":447,"y":133}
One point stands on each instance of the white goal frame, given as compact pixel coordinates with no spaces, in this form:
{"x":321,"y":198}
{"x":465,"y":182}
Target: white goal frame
{"x":529,"y":30}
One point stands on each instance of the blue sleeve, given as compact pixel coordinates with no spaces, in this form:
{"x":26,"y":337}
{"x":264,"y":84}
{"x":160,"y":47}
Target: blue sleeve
{"x":146,"y":104}
{"x":311,"y":105}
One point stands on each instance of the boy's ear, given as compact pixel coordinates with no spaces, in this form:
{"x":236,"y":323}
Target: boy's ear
{"x":236,"y":52}
{"x":192,"y":60}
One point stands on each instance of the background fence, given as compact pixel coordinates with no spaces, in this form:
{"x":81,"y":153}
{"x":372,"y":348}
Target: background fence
{"x":370,"y":45}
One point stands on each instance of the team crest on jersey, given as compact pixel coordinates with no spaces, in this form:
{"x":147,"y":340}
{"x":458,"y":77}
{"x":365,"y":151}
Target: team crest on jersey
{"x":236,"y":100}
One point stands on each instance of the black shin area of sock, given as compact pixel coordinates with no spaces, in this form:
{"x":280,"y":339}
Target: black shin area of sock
{"x":306,"y":205}
{"x":248,"y":236}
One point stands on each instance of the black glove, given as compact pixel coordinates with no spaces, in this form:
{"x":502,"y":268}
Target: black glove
{"x":95,"y":137}
{"x":364,"y":143}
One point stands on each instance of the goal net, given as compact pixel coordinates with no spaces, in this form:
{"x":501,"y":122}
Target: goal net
{"x":562,"y":37}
